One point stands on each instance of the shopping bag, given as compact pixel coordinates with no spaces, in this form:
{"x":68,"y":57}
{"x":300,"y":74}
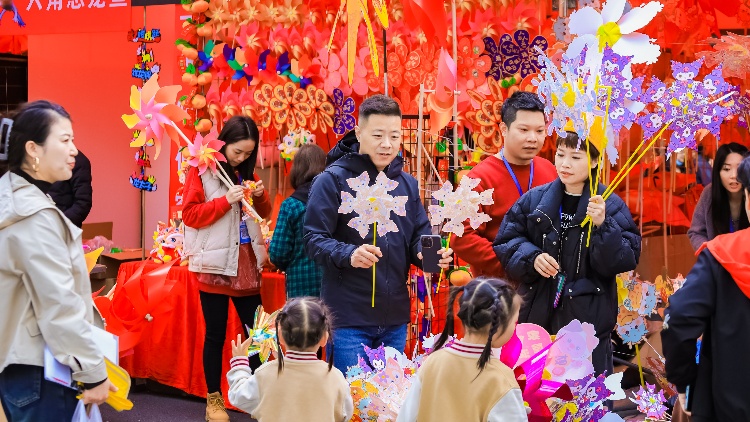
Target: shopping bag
{"x":80,"y":414}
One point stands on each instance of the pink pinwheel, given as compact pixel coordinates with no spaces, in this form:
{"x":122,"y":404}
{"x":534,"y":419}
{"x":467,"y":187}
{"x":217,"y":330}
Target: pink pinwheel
{"x":155,"y":113}
{"x":204,"y":152}
{"x":536,"y":390}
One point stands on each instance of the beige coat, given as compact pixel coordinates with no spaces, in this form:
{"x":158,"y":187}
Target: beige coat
{"x":216,"y":249}
{"x":45,"y":292}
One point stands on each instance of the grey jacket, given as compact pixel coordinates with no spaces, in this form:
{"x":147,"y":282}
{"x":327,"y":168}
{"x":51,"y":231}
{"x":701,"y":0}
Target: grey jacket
{"x":702,"y":227}
{"x":45,"y":292}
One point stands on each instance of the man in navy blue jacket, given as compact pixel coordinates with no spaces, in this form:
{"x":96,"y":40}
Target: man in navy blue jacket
{"x":346,"y":257}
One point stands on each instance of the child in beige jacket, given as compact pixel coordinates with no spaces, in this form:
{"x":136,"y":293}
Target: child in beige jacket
{"x":297,"y":386}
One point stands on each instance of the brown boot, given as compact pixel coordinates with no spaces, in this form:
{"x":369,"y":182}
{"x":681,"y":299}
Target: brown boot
{"x":215,"y":410}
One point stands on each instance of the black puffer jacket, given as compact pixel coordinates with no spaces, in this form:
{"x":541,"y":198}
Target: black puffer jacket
{"x":73,"y":197}
{"x":330,"y":242}
{"x":533,"y":226}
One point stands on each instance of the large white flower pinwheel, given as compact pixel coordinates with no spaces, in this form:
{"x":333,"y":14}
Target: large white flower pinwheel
{"x":612,"y":27}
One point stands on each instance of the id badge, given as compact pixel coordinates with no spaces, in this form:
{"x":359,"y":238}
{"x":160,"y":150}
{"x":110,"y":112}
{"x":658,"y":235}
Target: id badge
{"x":244,"y":235}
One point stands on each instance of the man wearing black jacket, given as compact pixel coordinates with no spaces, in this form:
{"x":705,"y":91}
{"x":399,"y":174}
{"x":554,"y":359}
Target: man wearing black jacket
{"x":714,"y":302}
{"x":73,"y":197}
{"x":346,"y":258}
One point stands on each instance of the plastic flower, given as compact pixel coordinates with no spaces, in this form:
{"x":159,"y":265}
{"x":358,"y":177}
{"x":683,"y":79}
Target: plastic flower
{"x":204,"y":152}
{"x":155,"y":113}
{"x":612,"y":27}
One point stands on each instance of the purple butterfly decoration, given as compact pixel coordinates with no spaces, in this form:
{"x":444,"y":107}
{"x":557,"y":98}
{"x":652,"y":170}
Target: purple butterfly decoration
{"x":623,"y":92}
{"x":520,"y":54}
{"x":343,"y":121}
{"x":492,"y":50}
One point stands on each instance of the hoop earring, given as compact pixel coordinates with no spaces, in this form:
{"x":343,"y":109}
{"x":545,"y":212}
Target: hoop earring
{"x":35,"y":166}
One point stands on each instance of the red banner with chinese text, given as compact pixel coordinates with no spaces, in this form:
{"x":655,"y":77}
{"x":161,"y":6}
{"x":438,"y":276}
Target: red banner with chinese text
{"x":33,"y":17}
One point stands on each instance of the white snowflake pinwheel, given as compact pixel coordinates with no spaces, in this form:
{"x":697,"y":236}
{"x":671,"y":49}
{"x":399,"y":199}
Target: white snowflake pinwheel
{"x":373,"y":204}
{"x":460,"y":205}
{"x":615,"y":28}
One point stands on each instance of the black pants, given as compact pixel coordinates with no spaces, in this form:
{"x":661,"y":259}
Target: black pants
{"x":216,"y":312}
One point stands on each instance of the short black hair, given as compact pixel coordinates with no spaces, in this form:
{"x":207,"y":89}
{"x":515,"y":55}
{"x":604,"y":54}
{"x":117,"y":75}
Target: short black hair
{"x":520,"y":100}
{"x":571,"y":141}
{"x":379,"y":104}
{"x":743,"y":173}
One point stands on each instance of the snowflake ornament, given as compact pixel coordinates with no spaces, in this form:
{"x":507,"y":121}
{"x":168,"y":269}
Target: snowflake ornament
{"x":460,"y":205}
{"x":372,"y":204}
{"x":650,"y":402}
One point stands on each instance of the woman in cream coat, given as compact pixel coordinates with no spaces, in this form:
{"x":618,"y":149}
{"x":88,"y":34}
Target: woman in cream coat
{"x":45,"y":293}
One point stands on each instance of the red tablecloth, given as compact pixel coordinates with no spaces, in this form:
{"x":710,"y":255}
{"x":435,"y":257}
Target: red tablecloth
{"x":176,"y":359}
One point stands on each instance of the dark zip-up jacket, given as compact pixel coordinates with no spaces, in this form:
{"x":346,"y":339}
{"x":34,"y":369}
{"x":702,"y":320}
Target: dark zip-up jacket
{"x":330,"y":242}
{"x":713,"y":302}
{"x":533,"y":226}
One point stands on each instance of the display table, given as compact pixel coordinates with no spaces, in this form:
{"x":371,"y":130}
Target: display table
{"x":176,"y":359}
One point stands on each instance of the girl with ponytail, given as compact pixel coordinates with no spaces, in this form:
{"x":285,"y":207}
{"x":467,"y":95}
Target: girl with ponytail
{"x":464,"y":379}
{"x":296,"y":386}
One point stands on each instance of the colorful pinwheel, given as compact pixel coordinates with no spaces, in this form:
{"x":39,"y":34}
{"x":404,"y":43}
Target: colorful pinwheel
{"x":686,"y":105}
{"x":650,"y":402}
{"x":204,"y":152}
{"x":263,"y":334}
{"x":155,"y":113}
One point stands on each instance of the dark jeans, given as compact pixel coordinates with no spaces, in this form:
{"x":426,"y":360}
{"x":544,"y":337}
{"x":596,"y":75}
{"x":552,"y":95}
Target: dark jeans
{"x":216,"y":312}
{"x":348,"y":341}
{"x":28,"y":397}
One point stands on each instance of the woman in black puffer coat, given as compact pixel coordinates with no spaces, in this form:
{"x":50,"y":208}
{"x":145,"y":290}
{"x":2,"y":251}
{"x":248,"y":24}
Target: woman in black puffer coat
{"x":541,"y":238}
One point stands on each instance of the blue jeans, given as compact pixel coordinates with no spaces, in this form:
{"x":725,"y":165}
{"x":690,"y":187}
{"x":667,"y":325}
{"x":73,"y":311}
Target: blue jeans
{"x":27,"y":396}
{"x":348,"y":341}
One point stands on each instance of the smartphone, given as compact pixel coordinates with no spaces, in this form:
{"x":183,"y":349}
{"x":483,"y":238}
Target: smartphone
{"x":431,"y":244}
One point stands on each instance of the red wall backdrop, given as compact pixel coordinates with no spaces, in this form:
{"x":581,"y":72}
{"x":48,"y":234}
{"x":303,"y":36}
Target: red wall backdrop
{"x":89,"y":74}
